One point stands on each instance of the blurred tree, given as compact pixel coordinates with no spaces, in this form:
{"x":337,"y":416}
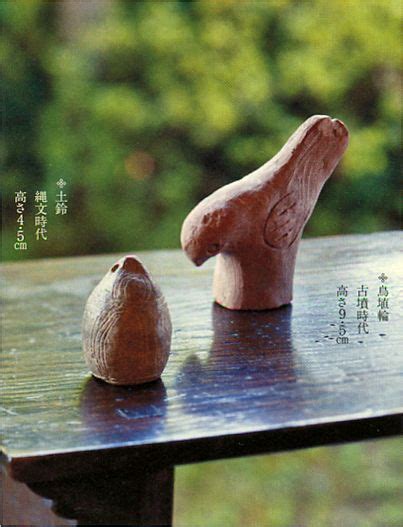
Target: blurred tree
{"x":146,"y":107}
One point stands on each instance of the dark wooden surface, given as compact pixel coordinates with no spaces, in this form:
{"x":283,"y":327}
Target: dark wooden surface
{"x":236,"y":383}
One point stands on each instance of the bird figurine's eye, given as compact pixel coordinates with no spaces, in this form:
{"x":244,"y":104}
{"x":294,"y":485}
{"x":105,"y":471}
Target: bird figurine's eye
{"x":213,"y":248}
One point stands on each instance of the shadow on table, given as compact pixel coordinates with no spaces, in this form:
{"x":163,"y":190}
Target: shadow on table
{"x":116,"y":412}
{"x":251,"y":358}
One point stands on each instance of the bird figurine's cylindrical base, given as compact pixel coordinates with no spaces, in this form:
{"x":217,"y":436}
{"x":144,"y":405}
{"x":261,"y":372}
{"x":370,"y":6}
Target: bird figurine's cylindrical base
{"x":244,"y":283}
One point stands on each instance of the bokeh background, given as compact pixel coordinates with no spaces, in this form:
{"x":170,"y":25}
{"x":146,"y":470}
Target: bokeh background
{"x":144,"y":108}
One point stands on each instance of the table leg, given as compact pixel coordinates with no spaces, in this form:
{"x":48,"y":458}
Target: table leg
{"x":133,"y":497}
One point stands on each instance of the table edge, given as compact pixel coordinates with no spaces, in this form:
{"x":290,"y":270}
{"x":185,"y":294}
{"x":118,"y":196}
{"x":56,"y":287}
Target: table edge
{"x":68,"y":464}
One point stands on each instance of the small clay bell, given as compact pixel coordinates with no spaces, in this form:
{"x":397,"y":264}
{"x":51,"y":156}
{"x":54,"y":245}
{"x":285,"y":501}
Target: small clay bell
{"x":126,"y":326}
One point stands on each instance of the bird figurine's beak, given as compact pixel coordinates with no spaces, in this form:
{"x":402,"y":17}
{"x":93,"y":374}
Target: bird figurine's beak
{"x":199,"y":261}
{"x":194,"y":255}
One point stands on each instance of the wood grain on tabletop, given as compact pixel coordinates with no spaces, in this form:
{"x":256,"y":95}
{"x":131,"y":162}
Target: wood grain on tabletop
{"x":236,"y":383}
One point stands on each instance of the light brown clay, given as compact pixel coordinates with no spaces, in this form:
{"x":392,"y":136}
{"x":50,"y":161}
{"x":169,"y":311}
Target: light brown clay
{"x":126,"y":326}
{"x":255,"y":224}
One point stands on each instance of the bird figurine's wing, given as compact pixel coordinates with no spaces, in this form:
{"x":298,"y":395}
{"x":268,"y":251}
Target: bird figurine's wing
{"x":284,"y":222}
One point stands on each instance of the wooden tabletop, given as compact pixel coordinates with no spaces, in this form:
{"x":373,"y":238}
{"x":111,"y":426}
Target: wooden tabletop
{"x":237,"y":383}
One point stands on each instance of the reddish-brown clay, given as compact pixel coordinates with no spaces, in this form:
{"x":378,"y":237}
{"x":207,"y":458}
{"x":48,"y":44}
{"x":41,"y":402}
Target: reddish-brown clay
{"x":255,"y":224}
{"x":126,"y":326}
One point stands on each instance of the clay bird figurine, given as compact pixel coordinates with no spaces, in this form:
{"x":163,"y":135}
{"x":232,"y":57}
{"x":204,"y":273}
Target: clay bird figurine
{"x":255,"y":224}
{"x":126,"y":326}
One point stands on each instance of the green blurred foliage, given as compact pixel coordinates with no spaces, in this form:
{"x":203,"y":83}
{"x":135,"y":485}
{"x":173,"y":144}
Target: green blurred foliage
{"x":146,"y":107}
{"x":358,"y":485}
